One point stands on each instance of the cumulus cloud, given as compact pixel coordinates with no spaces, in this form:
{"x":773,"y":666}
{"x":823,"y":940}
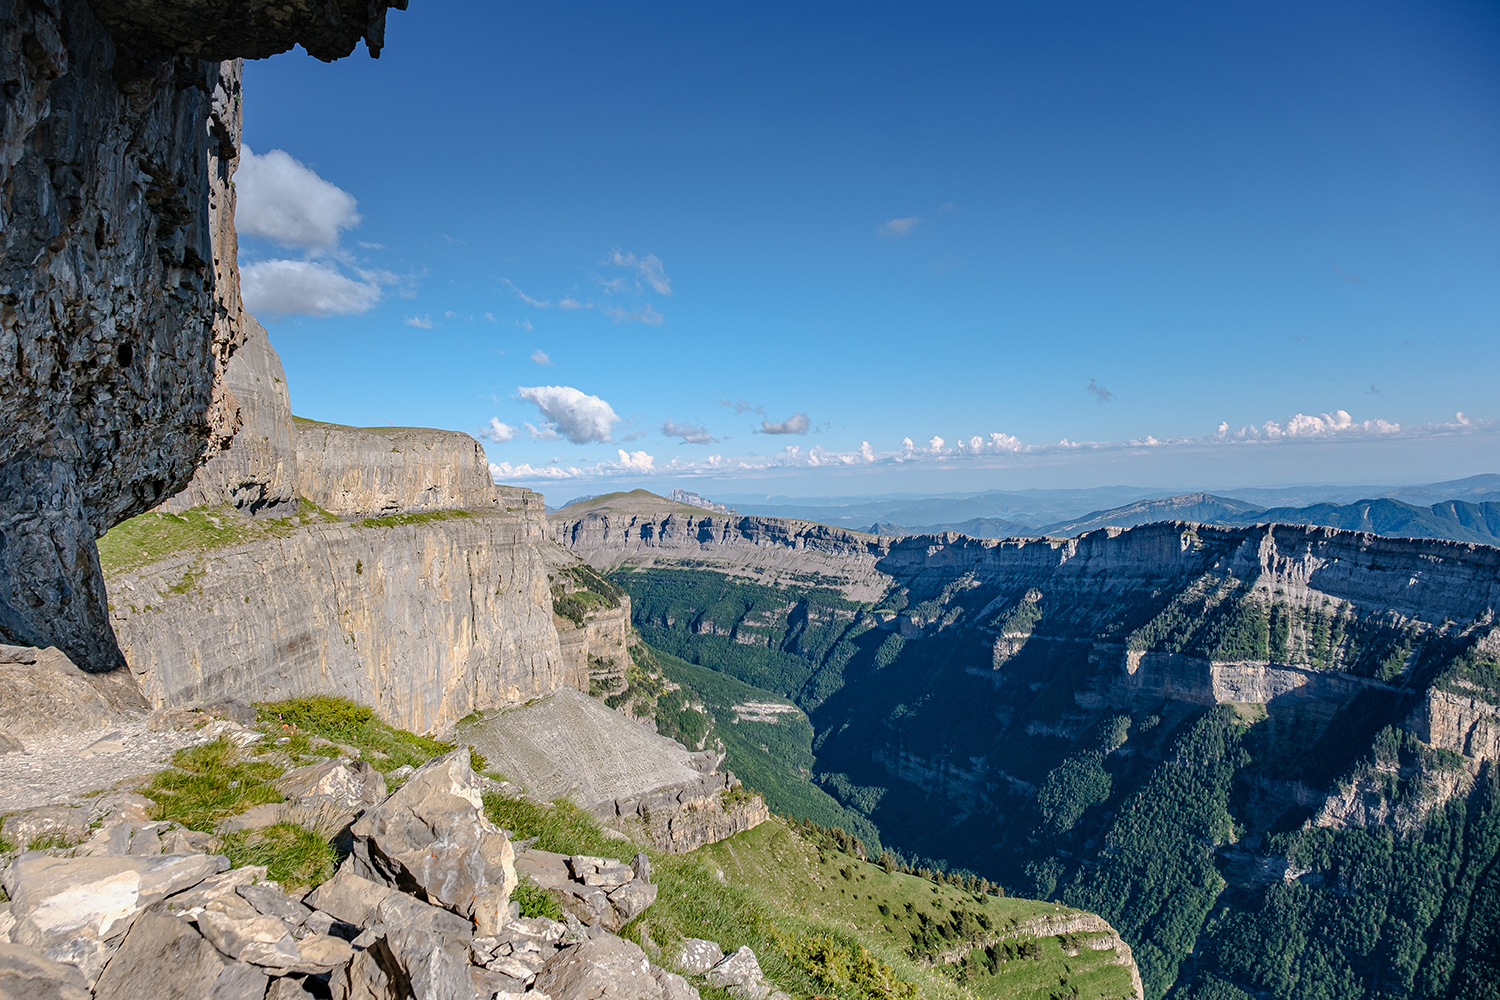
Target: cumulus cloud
{"x":1098,"y":391}
{"x":689,"y":433}
{"x":420,"y":322}
{"x":283,"y":200}
{"x":498,"y":432}
{"x":1325,"y":425}
{"x":636,"y":461}
{"x":648,"y":268}
{"x":540,"y":357}
{"x":899,"y":227}
{"x":797,"y":423}
{"x":304,"y":288}
{"x":571,"y":413}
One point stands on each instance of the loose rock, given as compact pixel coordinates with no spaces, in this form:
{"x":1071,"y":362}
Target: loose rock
{"x":696,"y":956}
{"x":432,"y":837}
{"x":164,"y":958}
{"x":604,"y":967}
{"x":66,"y":823}
{"x":673,"y":986}
{"x":27,"y":974}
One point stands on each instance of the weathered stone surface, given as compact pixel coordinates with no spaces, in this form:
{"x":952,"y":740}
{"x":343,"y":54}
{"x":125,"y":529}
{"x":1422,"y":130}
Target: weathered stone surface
{"x":162,"y":957}
{"x":254,"y":938}
{"x":324,"y":797}
{"x":43,"y":694}
{"x":425,"y":622}
{"x":603,"y":967}
{"x":75,"y":910}
{"x":489,"y":985}
{"x":738,"y":969}
{"x":430,"y":947}
{"x":272,"y":902}
{"x":258,"y":470}
{"x":211,"y":29}
{"x":573,"y":745}
{"x":214,"y":887}
{"x":121,"y":304}
{"x":9,"y":744}
{"x":27,"y":974}
{"x":69,"y":824}
{"x":350,"y":897}
{"x":239,"y":981}
{"x":697,"y":956}
{"x":632,"y":899}
{"x":432,"y":837}
{"x":375,"y":471}
{"x":642,"y":867}
{"x":673,"y":986}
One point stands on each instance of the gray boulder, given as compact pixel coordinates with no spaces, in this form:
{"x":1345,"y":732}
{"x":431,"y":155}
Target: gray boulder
{"x":27,"y":974}
{"x":432,"y":837}
{"x":740,"y":974}
{"x":272,"y":902}
{"x":76,"y":910}
{"x":696,"y":956}
{"x":602,"y":967}
{"x":213,"y":887}
{"x":164,"y":958}
{"x":631,"y":899}
{"x":350,"y":898}
{"x":371,"y":975}
{"x":9,"y":744}
{"x":673,"y":986}
{"x":430,"y":947}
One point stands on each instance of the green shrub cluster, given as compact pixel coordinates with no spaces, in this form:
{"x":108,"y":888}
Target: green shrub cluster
{"x":342,"y":721}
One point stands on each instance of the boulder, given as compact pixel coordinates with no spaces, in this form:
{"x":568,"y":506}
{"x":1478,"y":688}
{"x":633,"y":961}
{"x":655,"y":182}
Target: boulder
{"x":328,"y":796}
{"x":9,"y":744}
{"x":631,"y":899}
{"x":348,"y":897}
{"x":75,"y":910}
{"x":371,"y":975}
{"x":240,"y":932}
{"x":27,"y":974}
{"x":432,"y":837}
{"x":158,"y":942}
{"x":673,"y":986}
{"x":42,"y":694}
{"x":68,"y":824}
{"x":546,"y":869}
{"x":642,"y":867}
{"x":7,"y":921}
{"x":272,"y":902}
{"x":429,"y":945}
{"x":492,"y":985}
{"x":740,"y":974}
{"x":602,"y":967}
{"x":696,"y":956}
{"x":214,"y":887}
{"x":590,"y":905}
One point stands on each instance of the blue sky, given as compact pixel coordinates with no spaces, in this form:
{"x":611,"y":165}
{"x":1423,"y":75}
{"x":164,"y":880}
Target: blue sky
{"x":1080,"y":243}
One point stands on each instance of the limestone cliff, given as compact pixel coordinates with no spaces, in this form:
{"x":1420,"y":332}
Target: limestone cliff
{"x":371,"y":471}
{"x":425,"y":622}
{"x":119,"y":297}
{"x":257,"y":471}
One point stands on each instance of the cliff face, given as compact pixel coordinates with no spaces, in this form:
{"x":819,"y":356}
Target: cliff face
{"x":119,"y":296}
{"x":424,"y":622}
{"x":373,"y":471}
{"x":258,"y":470}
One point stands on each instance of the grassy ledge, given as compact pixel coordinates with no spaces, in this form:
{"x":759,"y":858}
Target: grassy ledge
{"x":151,"y":537}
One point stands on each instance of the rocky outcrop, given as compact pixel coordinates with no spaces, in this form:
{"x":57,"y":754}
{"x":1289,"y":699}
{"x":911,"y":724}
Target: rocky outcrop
{"x":424,"y":622}
{"x":258,"y":470}
{"x":43,"y":694}
{"x":570,"y":745}
{"x":375,"y":471}
{"x":119,"y":296}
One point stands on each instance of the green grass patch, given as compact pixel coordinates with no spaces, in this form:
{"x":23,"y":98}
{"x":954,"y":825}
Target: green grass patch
{"x":207,"y":783}
{"x":342,"y":721}
{"x":293,"y":856}
{"x":152,"y":537}
{"x":535,"y":901}
{"x":421,"y":517}
{"x":561,"y":827}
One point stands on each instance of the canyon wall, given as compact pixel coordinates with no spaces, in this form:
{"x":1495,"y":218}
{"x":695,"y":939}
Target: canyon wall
{"x":424,"y":622}
{"x":373,"y":471}
{"x":119,"y":291}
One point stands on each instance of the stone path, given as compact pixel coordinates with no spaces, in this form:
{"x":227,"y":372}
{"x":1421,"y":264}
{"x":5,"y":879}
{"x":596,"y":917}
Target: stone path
{"x":63,"y":768}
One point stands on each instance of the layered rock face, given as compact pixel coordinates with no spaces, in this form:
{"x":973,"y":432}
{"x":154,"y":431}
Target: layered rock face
{"x":374,"y":471}
{"x":119,"y":297}
{"x":423,"y":622}
{"x":257,"y":471}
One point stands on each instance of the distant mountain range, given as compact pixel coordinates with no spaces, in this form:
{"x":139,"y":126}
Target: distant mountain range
{"x":1475,"y":520}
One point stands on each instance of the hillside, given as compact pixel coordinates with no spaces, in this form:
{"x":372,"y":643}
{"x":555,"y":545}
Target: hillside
{"x":1199,"y":733}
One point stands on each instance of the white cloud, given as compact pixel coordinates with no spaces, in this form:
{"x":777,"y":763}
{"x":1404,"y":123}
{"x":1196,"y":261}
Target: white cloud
{"x":689,"y":433}
{"x":574,"y":414}
{"x":539,"y":356}
{"x":281,"y":199}
{"x":636,"y":461}
{"x":899,"y":227}
{"x":490,"y":317}
{"x":797,"y":423}
{"x":1327,"y":425}
{"x":571,"y":303}
{"x":645,"y":315}
{"x":304,"y":288}
{"x":649,"y":268}
{"x":504,"y":472}
{"x":420,"y":322}
{"x":498,"y":432}
{"x":539,"y":303}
